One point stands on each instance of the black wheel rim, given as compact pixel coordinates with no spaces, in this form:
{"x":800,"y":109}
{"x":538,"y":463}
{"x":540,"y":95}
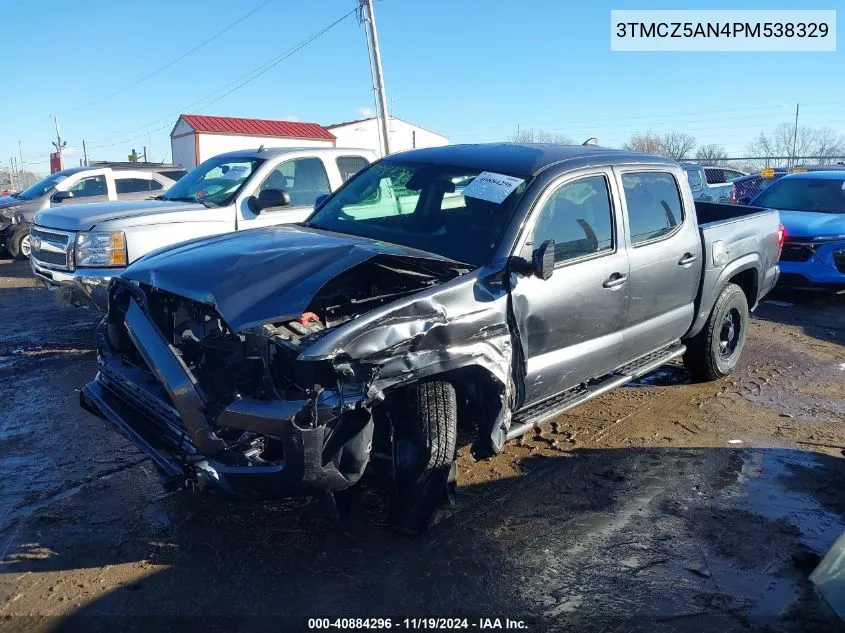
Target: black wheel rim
{"x":730,"y":333}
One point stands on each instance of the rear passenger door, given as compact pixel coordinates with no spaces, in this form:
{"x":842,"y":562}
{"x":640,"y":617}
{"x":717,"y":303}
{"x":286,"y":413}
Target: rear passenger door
{"x":664,"y":252}
{"x":131,"y":185}
{"x":571,"y":324}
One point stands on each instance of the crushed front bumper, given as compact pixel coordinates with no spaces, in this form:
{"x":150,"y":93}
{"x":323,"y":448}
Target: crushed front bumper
{"x":84,"y":287}
{"x":325,"y":440}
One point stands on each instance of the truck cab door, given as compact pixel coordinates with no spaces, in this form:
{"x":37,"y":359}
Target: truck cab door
{"x":88,"y":186}
{"x":664,"y":250}
{"x":570,"y":325}
{"x":303,"y":178}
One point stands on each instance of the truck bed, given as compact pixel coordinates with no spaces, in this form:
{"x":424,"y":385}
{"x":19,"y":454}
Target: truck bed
{"x":735,"y":239}
{"x":709,"y":212}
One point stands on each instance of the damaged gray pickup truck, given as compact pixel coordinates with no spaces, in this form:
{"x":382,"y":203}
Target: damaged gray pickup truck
{"x":486,"y":286}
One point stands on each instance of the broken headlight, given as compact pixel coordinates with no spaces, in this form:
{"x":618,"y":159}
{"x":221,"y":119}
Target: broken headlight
{"x":99,"y":248}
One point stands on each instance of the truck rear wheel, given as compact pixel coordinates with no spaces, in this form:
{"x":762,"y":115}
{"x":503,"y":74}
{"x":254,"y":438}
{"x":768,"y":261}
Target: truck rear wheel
{"x":424,"y":442}
{"x":18,"y":244}
{"x":714,"y":352}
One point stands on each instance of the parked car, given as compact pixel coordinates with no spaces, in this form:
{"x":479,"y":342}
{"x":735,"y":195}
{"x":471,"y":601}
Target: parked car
{"x":748,"y":187}
{"x":812,"y":209}
{"x":702,"y":189}
{"x":721,"y":175}
{"x":283,"y":360}
{"x":80,"y":250}
{"x":99,"y":183}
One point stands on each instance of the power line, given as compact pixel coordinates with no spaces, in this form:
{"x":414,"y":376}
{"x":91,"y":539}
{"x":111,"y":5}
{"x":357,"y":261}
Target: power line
{"x":174,"y":61}
{"x":716,"y":113}
{"x":231,"y":87}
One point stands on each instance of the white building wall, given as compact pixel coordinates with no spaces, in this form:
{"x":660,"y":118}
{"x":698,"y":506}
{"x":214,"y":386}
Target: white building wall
{"x":403,"y":136}
{"x":182,"y":151}
{"x":213,"y":144}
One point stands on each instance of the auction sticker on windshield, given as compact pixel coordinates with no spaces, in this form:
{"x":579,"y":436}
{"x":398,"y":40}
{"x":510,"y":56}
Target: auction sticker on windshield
{"x":492,"y":187}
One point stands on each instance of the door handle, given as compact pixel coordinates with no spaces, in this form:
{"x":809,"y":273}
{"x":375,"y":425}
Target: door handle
{"x":615,"y":280}
{"x":687,"y":259}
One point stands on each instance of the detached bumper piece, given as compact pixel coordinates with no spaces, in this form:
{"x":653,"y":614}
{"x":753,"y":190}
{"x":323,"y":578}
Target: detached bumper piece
{"x":274,"y":448}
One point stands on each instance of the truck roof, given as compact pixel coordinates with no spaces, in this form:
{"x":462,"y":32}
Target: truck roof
{"x":525,"y":159}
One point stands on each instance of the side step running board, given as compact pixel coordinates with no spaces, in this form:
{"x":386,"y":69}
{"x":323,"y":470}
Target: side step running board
{"x":537,"y":414}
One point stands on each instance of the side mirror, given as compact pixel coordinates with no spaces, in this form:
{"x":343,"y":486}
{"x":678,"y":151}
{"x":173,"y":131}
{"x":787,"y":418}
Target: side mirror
{"x":269,"y":198}
{"x":319,"y":200}
{"x":744,"y":200}
{"x":543,"y":260}
{"x":62,"y":195}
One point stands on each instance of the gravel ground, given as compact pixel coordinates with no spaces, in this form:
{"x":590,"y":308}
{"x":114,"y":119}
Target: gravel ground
{"x":662,"y":506}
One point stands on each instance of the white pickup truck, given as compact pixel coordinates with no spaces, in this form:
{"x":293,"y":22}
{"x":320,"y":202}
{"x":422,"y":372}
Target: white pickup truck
{"x":78,"y":250}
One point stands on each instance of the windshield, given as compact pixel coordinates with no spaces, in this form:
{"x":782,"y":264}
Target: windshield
{"x":41,"y":187}
{"x":820,"y":195}
{"x":445,"y":210}
{"x":215,"y":181}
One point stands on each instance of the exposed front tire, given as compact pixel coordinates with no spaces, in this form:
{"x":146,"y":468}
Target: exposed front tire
{"x":18,"y":245}
{"x":714,"y":352}
{"x":424,"y":420}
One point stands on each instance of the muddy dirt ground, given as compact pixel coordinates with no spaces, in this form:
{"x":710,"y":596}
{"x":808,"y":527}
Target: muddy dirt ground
{"x":663,"y":506}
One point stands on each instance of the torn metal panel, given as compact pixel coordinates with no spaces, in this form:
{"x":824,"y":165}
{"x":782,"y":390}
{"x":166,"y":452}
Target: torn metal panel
{"x":174,"y":376}
{"x":260,"y":276}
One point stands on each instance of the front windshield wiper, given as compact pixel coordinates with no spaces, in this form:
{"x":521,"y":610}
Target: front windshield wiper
{"x":206,"y":203}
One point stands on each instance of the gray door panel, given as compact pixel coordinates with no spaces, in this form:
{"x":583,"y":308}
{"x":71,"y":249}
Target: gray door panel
{"x":665,"y":269}
{"x":571,"y":324}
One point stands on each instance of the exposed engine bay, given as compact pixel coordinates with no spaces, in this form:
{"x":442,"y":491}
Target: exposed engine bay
{"x":244,"y":397}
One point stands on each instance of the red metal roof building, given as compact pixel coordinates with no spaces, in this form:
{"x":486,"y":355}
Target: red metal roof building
{"x":197,"y":137}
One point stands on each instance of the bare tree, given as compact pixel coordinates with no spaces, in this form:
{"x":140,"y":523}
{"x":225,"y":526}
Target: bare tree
{"x":540,"y":136}
{"x":647,"y":143}
{"x":711,"y":154}
{"x":785,"y":145}
{"x":677,"y":145}
{"x":829,"y":146}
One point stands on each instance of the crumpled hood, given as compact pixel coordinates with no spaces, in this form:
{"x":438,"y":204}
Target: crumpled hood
{"x":812,"y":224}
{"x":260,"y":275}
{"x":84,"y":217}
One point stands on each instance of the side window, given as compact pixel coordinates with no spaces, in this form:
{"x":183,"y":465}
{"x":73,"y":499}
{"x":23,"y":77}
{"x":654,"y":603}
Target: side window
{"x":578,"y":217}
{"x":654,"y":204}
{"x":714,"y":176}
{"x":136,"y":185}
{"x":694,"y":178}
{"x":350,"y":165}
{"x":303,"y":178}
{"x":88,"y":187}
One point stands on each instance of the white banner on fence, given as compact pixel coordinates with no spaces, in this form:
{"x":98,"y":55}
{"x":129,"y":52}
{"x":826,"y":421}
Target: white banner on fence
{"x":722,"y":30}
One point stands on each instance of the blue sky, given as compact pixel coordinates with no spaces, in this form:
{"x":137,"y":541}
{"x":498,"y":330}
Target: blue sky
{"x":471,"y":70}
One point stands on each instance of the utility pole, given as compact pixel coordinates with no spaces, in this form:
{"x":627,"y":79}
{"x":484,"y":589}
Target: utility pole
{"x":795,"y":136}
{"x":145,"y":153}
{"x":84,"y":154}
{"x":20,"y":153}
{"x":366,"y":7}
{"x":59,"y":143}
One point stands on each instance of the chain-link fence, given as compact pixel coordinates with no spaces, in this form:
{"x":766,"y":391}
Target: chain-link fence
{"x":750,"y":175}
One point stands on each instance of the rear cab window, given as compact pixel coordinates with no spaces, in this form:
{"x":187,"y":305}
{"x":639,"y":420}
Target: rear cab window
{"x":654,"y":205}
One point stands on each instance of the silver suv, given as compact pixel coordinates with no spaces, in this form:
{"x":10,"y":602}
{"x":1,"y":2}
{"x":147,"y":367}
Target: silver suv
{"x":102,"y":182}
